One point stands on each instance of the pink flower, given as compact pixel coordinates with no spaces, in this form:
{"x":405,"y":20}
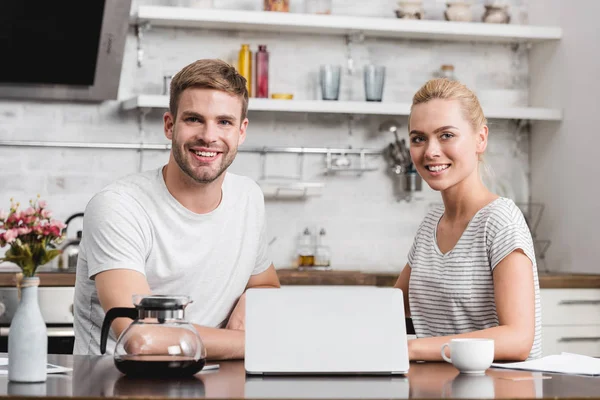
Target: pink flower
{"x":59,"y":224}
{"x":46,"y":213}
{"x":12,"y":218}
{"x":10,"y":235}
{"x":32,"y":220}
{"x":29,"y":211}
{"x":3,"y":215}
{"x":24,"y":230}
{"x":42,"y":203}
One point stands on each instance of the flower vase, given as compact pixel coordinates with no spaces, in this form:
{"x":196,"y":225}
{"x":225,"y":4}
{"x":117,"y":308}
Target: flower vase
{"x":28,"y":337}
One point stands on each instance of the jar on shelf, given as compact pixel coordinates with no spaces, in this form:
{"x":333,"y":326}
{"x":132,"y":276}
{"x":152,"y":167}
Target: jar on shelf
{"x":277,"y":5}
{"x":458,"y":11}
{"x":305,"y":251}
{"x":322,"y":252}
{"x":447,"y":71}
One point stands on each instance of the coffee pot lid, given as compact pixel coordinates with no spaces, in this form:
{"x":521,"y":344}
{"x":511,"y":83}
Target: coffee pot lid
{"x":161,"y":302}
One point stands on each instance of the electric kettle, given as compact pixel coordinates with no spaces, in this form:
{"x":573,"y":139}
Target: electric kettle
{"x":159,"y":343}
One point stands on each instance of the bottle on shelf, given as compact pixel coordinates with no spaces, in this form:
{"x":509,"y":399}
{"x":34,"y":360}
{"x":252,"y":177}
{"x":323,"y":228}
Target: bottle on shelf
{"x":245,"y":66}
{"x":277,"y":5}
{"x":306,"y":256}
{"x":322,"y":252}
{"x":262,"y":72}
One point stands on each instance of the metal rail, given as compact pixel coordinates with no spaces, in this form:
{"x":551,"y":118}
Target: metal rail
{"x":150,"y":146}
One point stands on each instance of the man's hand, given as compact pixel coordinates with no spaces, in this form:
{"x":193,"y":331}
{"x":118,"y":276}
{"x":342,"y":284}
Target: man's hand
{"x":237,"y":319}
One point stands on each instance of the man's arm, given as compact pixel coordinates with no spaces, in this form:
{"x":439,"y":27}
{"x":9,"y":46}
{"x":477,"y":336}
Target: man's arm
{"x":116,"y":289}
{"x":266,"y":279}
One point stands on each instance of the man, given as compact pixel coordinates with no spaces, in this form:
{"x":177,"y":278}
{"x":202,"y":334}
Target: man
{"x":188,"y":228}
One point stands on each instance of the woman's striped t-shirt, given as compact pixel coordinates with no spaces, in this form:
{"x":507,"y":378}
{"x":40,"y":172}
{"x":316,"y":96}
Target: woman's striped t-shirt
{"x":453,"y":293}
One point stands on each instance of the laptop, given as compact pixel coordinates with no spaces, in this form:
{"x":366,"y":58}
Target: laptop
{"x":325,"y":330}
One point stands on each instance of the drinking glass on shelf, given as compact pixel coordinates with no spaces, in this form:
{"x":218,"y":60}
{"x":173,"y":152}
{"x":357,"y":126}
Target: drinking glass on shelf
{"x":374,"y":80}
{"x":329,"y":76}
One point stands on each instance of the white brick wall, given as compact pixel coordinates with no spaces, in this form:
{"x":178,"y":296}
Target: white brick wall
{"x":367,"y":228}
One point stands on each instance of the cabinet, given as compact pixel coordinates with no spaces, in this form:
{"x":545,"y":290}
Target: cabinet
{"x":571,"y":321}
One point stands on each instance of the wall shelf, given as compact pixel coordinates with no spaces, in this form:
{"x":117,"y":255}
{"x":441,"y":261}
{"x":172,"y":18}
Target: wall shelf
{"x":350,"y":107}
{"x":162,"y":16}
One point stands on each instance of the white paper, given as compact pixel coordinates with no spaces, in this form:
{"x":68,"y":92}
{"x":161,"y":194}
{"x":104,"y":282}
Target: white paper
{"x":50,"y":368}
{"x":565,"y":363}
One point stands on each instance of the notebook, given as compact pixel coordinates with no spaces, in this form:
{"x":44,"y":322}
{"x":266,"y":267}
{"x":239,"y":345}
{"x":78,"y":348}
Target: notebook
{"x":325,"y":330}
{"x":564,"y":363}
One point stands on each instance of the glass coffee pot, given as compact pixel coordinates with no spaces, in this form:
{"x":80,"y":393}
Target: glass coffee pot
{"x":160,"y":342}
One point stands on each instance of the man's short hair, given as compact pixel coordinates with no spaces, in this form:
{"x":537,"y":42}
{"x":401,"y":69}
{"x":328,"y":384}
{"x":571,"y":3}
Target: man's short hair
{"x":209,"y":74}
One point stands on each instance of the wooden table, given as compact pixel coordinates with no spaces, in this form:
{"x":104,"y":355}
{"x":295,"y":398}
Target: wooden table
{"x":95,"y":376}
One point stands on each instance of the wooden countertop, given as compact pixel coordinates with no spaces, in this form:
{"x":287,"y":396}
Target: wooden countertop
{"x":292,"y":276}
{"x":96,"y":376}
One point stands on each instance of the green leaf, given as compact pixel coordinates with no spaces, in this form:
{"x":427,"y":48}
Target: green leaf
{"x":49,"y":256}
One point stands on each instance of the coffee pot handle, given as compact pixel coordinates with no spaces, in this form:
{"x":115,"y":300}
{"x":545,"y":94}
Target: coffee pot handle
{"x":111,"y":315}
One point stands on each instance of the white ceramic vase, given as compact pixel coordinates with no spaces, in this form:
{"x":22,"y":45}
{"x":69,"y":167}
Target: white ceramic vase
{"x":28,"y":337}
{"x":496,"y":15}
{"x":410,"y":9}
{"x":458,"y":11}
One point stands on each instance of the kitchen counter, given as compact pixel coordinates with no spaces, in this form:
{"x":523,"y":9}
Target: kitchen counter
{"x":96,"y":376}
{"x":292,"y":276}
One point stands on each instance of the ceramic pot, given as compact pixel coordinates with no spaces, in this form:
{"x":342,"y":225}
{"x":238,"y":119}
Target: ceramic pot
{"x":410,"y":9}
{"x":496,"y":15}
{"x":459,"y":11}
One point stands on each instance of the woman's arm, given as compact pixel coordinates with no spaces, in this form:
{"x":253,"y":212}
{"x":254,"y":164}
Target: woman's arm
{"x":402,"y":283}
{"x":514,"y":293}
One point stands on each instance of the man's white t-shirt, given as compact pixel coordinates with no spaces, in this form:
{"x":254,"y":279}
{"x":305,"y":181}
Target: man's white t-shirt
{"x":136,"y":224}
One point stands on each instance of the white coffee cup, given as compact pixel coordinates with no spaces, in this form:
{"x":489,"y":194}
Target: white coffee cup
{"x":470,"y":356}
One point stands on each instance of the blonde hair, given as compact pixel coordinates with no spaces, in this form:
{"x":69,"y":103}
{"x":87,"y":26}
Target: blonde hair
{"x":208,"y":74}
{"x":446,"y":89}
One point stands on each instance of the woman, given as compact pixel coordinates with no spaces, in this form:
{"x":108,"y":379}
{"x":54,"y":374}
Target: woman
{"x":471,"y":271}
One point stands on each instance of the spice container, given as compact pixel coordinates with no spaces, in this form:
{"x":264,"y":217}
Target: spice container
{"x":277,"y":5}
{"x":245,"y":66}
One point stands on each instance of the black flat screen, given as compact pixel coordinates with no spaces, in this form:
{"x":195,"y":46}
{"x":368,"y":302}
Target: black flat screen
{"x":49,"y":41}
